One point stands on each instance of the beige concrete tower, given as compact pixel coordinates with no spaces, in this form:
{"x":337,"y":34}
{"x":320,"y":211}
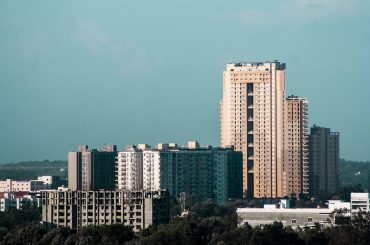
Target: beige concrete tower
{"x":251,"y":118}
{"x":293,"y":177}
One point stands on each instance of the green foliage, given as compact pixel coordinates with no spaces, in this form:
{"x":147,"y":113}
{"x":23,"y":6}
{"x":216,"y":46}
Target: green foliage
{"x":28,"y":234}
{"x":344,"y":193}
{"x":110,"y":235}
{"x":353,"y":173}
{"x":13,"y":218}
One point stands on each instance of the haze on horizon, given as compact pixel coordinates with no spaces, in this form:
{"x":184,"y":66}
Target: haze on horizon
{"x":128,"y":72}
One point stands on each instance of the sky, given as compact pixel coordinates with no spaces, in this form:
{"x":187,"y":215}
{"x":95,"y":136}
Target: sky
{"x":127,"y":72}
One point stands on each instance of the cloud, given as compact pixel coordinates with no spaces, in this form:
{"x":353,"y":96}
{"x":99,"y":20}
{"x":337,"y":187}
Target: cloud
{"x":128,"y":57}
{"x":297,"y":11}
{"x":95,"y":38}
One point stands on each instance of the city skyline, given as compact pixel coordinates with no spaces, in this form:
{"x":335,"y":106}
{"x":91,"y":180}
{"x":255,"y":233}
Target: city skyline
{"x":89,"y":77}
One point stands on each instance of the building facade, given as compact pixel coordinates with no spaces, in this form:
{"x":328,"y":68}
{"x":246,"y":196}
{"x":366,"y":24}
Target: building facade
{"x":129,"y":173}
{"x":91,"y":169}
{"x":205,"y":172}
{"x":19,"y":200}
{"x":76,"y":209}
{"x":323,"y":162}
{"x":294,"y":217}
{"x":295,"y":168}
{"x":10,"y":185}
{"x":360,"y":202}
{"x":51,"y":182}
{"x":251,"y":119}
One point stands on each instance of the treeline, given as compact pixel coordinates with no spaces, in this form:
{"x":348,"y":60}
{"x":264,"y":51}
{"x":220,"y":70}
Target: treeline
{"x":31,"y":170}
{"x":215,"y":225}
{"x":353,"y":173}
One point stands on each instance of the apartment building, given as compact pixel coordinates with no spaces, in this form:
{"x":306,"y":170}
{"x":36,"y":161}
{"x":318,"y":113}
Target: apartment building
{"x":10,"y":185}
{"x":323,"y":162}
{"x":92,"y":169}
{"x":130,"y":166}
{"x":76,"y":209}
{"x":294,"y":177}
{"x":251,"y":119}
{"x":205,"y":172}
{"x":19,"y":200}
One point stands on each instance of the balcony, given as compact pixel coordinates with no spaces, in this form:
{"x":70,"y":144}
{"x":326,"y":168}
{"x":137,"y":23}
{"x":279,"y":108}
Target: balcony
{"x":250,"y":132}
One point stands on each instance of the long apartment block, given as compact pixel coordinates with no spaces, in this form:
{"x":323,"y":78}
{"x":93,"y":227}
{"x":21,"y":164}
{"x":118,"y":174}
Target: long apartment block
{"x":76,"y":209}
{"x":202,"y":171}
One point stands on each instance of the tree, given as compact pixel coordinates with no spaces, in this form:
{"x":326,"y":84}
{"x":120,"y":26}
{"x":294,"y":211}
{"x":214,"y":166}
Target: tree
{"x":344,"y":192}
{"x":28,"y":234}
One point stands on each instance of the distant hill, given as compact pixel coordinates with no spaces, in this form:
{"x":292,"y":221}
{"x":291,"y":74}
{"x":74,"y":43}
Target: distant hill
{"x":353,"y":173}
{"x":30,"y":170}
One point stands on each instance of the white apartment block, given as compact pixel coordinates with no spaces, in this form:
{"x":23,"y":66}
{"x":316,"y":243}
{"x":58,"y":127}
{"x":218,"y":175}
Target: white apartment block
{"x":129,"y":169}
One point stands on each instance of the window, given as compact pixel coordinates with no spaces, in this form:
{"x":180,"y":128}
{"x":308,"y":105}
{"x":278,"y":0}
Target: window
{"x":309,"y":219}
{"x":294,"y":221}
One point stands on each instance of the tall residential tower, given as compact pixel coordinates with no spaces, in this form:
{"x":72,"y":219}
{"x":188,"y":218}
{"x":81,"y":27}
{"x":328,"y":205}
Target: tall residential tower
{"x":251,"y":118}
{"x":294,"y":177}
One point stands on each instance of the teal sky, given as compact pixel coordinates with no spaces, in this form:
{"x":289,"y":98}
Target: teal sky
{"x":127,"y":72}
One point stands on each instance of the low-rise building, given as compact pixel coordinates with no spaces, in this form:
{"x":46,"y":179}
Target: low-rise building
{"x":18,"y":200}
{"x":42,"y":183}
{"x":50,"y":182}
{"x":294,"y":217}
{"x":360,"y":202}
{"x":76,"y":209}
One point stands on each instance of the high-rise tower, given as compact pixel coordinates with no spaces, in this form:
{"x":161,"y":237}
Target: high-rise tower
{"x":324,"y":162}
{"x":293,"y":177}
{"x":91,"y":169}
{"x":251,"y":118}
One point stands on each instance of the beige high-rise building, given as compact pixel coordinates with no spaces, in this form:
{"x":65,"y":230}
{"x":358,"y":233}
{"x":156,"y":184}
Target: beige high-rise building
{"x":294,"y":175}
{"x":251,"y":118}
